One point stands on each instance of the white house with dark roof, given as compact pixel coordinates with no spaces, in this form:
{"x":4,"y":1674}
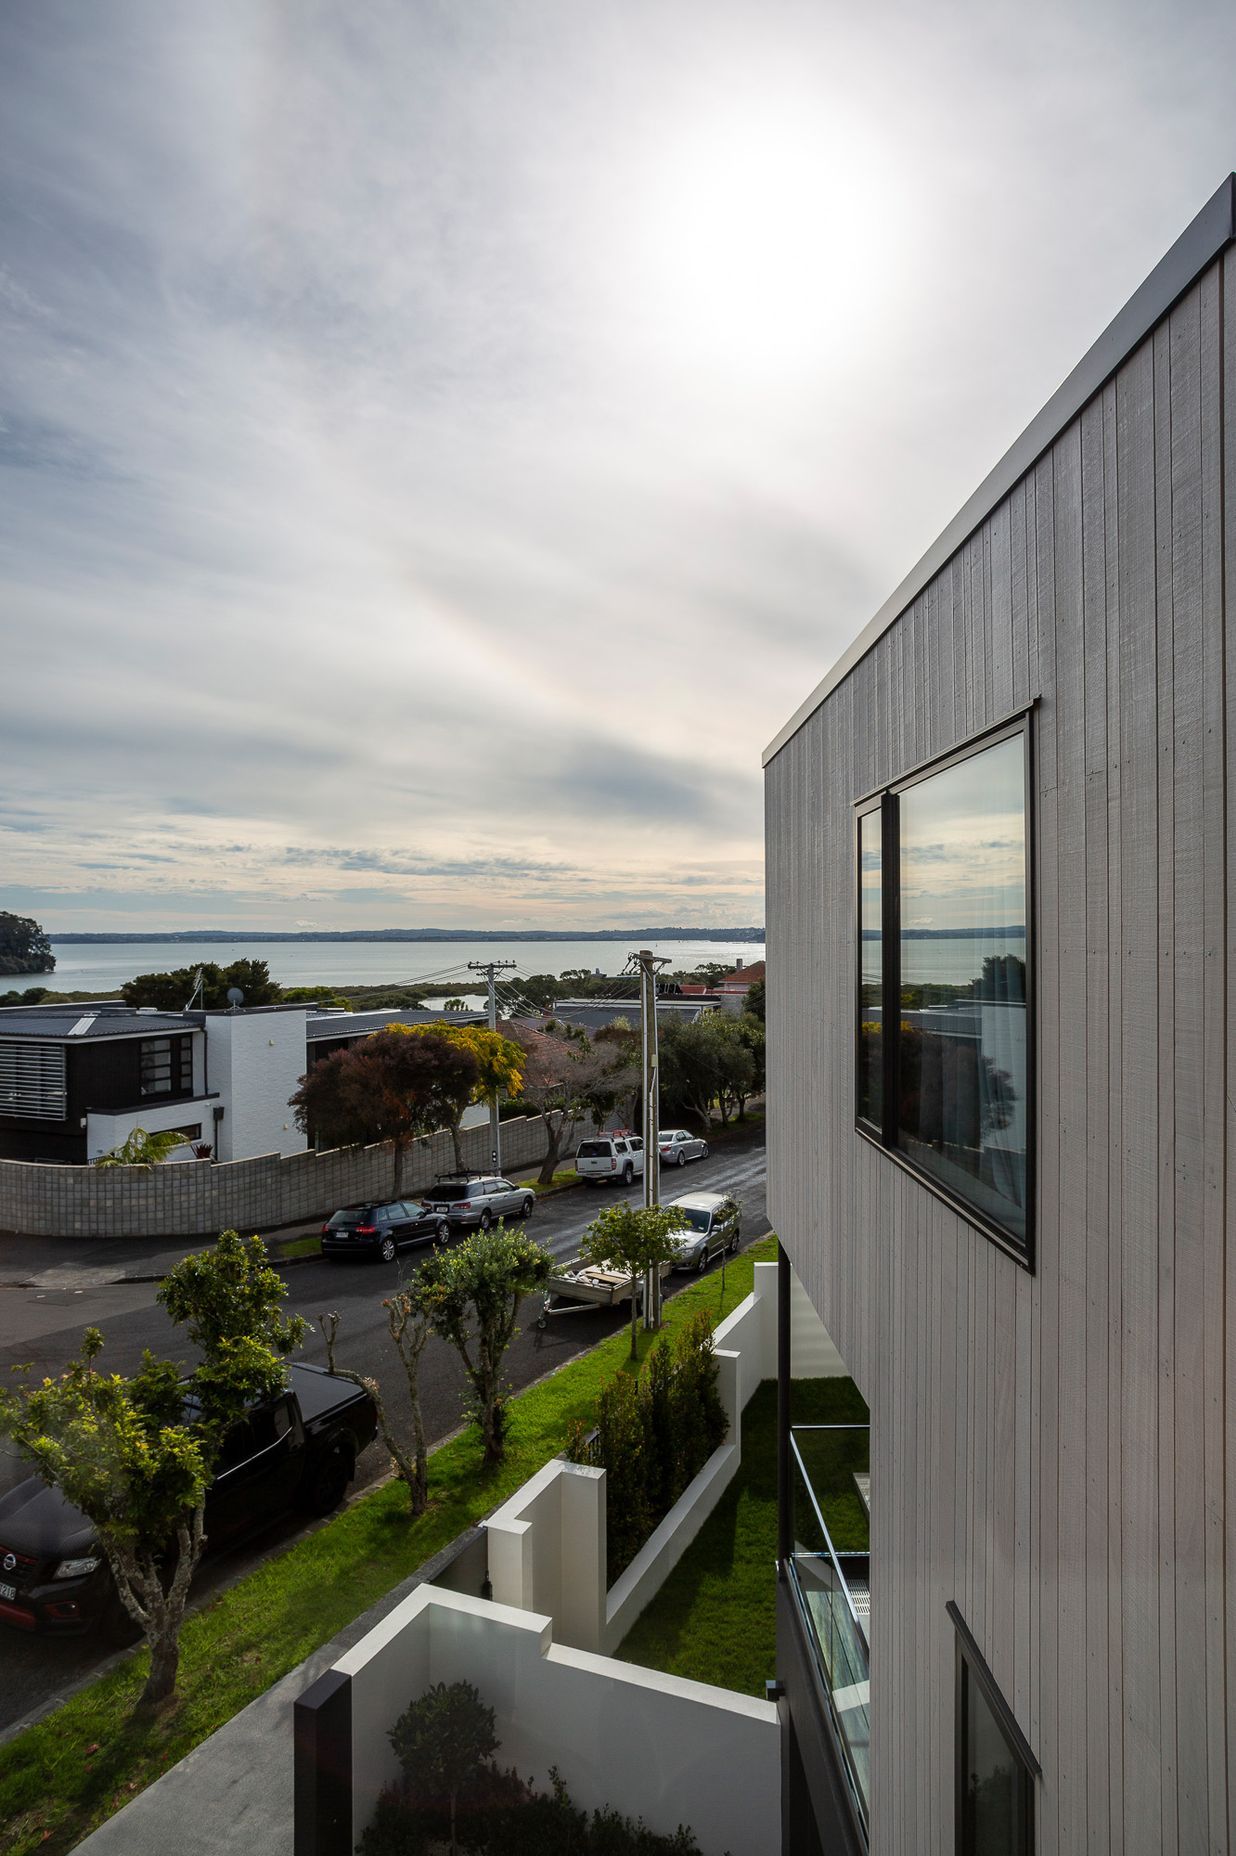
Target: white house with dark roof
{"x":75,"y":1080}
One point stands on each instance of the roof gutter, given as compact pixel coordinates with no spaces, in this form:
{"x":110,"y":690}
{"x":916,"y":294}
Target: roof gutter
{"x":1197,"y":247}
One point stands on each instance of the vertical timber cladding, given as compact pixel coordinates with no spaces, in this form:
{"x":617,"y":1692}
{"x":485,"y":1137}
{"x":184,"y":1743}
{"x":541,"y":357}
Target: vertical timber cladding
{"x":1049,"y":1449}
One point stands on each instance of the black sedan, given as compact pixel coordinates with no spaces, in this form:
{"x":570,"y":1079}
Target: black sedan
{"x":381,"y":1230}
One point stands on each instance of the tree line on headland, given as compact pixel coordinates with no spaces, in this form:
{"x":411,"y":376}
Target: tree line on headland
{"x":24,"y":948}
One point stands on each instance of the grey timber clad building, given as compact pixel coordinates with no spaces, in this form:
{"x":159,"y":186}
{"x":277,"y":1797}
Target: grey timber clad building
{"x":1000,"y":1057}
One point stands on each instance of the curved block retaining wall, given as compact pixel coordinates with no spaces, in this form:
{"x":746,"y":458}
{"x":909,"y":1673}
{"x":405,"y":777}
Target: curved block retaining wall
{"x":200,"y":1198}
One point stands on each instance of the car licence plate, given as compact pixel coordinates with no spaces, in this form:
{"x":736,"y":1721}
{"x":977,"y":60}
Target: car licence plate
{"x":8,"y":1591}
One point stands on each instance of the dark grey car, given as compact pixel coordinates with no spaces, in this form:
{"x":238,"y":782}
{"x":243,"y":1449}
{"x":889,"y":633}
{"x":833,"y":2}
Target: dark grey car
{"x":381,"y":1230}
{"x":478,"y":1199}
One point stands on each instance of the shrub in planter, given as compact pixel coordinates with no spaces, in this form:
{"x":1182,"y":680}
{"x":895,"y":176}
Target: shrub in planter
{"x":654,"y":1435}
{"x":661,"y":1418}
{"x":621,"y":1450}
{"x":515,"y":1820}
{"x":699,"y":1420}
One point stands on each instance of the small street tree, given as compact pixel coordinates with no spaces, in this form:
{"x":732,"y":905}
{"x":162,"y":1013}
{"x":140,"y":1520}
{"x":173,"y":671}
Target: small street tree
{"x":230,"y":1302}
{"x":136,"y":1455}
{"x":409,"y":1330}
{"x":739,"y":1060}
{"x":634,"y":1239}
{"x":499,"y":1069}
{"x":121,"y":1450}
{"x":751,"y":1031}
{"x":608,"y":1072}
{"x":691,"y":1066}
{"x":389,"y":1087}
{"x":718,"y":1058}
{"x":552,"y":1075}
{"x":471,"y":1295}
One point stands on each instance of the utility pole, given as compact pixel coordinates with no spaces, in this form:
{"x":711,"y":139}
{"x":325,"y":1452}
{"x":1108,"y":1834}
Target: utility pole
{"x":647,"y":963}
{"x":489,"y":968}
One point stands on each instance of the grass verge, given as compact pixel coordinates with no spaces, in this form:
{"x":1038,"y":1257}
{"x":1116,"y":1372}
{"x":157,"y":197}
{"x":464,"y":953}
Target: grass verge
{"x":282,"y":1248}
{"x":559,"y":1183}
{"x":70,"y":1772}
{"x":715,"y":1617}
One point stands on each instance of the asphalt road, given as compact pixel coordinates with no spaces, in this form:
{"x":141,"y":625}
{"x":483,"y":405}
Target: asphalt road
{"x":44,"y":1327}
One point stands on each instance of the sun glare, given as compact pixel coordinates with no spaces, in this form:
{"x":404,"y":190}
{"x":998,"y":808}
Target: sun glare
{"x":761,"y":250}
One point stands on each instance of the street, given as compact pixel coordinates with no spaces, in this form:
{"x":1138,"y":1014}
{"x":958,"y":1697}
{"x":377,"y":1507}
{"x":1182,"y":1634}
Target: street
{"x":43,"y":1326}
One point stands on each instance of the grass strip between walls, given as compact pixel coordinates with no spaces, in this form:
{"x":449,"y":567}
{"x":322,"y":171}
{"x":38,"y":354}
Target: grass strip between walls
{"x":715,"y":1617}
{"x":70,"y":1772}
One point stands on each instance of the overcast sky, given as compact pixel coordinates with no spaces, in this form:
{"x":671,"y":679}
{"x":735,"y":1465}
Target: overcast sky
{"x":440,"y":444}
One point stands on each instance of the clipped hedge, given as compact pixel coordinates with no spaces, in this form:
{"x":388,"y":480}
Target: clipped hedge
{"x":653,"y":1435}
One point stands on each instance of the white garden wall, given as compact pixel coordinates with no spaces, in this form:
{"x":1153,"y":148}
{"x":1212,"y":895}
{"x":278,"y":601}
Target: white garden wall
{"x":656,"y":1746}
{"x":547,"y":1551}
{"x":547,"y":1544}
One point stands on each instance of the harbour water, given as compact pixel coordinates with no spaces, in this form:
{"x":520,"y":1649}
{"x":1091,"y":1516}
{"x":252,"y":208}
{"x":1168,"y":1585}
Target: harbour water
{"x":103,"y":967}
{"x":945,"y":960}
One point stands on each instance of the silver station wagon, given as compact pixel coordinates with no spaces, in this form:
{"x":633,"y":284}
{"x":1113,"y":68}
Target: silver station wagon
{"x":676,"y":1146}
{"x":478,"y":1199}
{"x":714,"y":1223}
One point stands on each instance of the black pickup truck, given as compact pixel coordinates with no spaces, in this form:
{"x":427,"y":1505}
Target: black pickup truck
{"x":295,"y":1451}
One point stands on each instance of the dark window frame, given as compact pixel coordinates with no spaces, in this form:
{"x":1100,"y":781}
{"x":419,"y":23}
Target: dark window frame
{"x":884,"y":801}
{"x":970,"y":1665}
{"x":165,"y":1071}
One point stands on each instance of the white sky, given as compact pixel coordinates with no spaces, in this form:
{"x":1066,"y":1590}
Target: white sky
{"x":441,"y":443}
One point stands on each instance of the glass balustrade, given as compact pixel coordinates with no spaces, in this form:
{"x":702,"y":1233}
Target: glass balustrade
{"x":830,"y":1569}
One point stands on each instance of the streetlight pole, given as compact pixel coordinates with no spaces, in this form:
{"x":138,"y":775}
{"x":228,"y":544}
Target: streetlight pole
{"x":648,"y":963}
{"x":489,"y":968}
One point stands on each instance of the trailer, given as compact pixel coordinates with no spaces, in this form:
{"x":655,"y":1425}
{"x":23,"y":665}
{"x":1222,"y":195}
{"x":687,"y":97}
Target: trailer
{"x":590,"y":1285}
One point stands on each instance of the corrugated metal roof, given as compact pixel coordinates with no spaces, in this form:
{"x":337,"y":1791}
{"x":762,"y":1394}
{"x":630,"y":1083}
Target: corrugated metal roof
{"x":358,"y":1024}
{"x":83,"y":1022}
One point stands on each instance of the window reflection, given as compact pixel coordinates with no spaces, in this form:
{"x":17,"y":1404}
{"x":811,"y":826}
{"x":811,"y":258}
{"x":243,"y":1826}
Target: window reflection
{"x":994,"y":1793}
{"x":993,"y":1803}
{"x":871,"y":955}
{"x":962,"y":1066}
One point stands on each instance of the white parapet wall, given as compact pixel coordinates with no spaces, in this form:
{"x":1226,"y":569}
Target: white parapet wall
{"x":651,"y":1745}
{"x":547,"y":1544}
{"x":547,"y":1551}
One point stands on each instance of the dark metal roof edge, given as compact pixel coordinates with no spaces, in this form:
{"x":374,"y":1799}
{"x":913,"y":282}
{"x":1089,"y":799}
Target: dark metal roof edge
{"x":1198,"y":246}
{"x":151,"y":1028}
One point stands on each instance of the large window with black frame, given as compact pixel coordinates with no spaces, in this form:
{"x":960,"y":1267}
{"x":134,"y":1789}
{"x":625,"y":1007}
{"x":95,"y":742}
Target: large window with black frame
{"x":944,"y":1046}
{"x":995,"y":1768}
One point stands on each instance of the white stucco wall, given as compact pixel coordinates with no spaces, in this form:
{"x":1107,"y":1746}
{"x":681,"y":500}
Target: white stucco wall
{"x":105,"y":1132}
{"x":813,"y":1354}
{"x":547,"y":1551}
{"x":255,"y":1061}
{"x":672,"y":1751}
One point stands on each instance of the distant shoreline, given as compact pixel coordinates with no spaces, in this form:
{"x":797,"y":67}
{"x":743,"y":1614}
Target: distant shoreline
{"x":177,"y":936}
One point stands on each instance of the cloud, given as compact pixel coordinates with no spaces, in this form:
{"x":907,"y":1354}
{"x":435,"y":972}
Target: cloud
{"x":404,"y":488}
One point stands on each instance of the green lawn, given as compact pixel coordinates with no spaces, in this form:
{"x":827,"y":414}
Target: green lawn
{"x":556,"y":1184}
{"x":281,"y":1248}
{"x":714,"y":1618}
{"x":64,"y":1776}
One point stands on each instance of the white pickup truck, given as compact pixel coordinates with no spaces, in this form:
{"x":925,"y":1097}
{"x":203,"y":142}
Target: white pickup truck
{"x":611,"y":1159}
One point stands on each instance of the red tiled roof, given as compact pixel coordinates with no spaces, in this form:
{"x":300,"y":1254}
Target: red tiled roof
{"x":745,"y":976}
